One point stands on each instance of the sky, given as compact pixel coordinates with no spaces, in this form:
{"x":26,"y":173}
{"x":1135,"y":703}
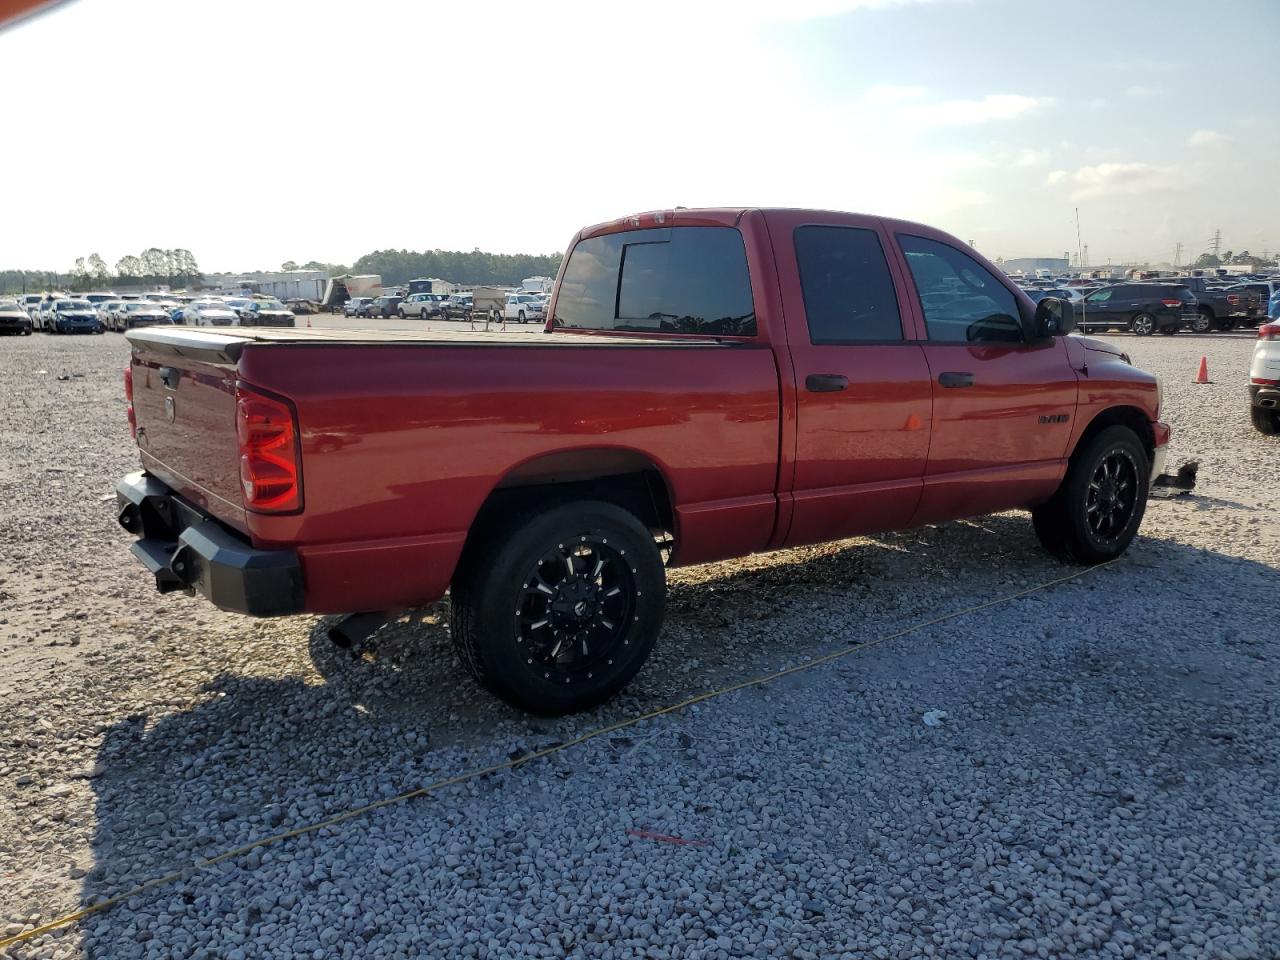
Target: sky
{"x":257,"y":132}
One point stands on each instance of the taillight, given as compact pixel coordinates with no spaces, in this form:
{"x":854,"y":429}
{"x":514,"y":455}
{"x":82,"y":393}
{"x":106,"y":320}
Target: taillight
{"x":1172,"y":303}
{"x":1269,"y":331}
{"x":128,"y":395}
{"x":267,"y":431}
{"x":1233,"y":298}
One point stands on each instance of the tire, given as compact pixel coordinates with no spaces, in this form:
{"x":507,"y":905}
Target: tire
{"x":522,"y":318}
{"x":559,"y":657}
{"x":1071,"y":525}
{"x":402,"y":316}
{"x":1203,"y":322}
{"x":1265,"y":421}
{"x":1143,"y":325}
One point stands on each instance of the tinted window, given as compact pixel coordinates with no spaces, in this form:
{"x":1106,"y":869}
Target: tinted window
{"x":848,"y":291}
{"x":962,"y":301}
{"x":678,"y":280}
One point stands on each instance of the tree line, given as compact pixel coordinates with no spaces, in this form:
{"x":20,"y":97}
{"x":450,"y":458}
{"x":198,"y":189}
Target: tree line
{"x":175,"y":268}
{"x":1254,"y":262}
{"x":476,"y":266}
{"x":178,"y":268}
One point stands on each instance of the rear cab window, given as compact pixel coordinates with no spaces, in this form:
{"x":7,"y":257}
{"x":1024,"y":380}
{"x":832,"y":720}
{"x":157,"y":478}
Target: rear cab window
{"x":847,"y":288}
{"x":679,"y":280}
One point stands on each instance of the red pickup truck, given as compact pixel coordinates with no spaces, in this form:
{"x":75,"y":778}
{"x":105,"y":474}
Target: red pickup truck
{"x":710,"y":383}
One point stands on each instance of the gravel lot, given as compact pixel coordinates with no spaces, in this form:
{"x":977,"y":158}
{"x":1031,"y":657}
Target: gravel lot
{"x":1104,"y":781}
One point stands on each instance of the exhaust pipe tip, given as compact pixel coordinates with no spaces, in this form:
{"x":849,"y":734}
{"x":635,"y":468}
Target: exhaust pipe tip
{"x":351,"y":632}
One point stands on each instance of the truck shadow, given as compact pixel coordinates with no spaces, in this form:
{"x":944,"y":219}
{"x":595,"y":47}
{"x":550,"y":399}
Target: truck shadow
{"x":262,"y":755}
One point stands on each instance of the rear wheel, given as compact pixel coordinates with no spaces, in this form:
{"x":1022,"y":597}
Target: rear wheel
{"x":1143,"y":325}
{"x":1203,"y":322}
{"x":1096,"y":512}
{"x":556,"y":610}
{"x":1264,"y":420}
{"x":523,"y":318}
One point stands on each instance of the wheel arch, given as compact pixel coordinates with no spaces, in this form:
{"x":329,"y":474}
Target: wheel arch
{"x":622,"y":476}
{"x":1123,"y":416}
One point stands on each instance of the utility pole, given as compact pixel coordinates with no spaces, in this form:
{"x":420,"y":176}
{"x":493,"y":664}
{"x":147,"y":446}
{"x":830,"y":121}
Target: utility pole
{"x":1215,"y":242}
{"x":1079,"y":246}
{"x":1084,"y":265}
{"x":1177,"y":255}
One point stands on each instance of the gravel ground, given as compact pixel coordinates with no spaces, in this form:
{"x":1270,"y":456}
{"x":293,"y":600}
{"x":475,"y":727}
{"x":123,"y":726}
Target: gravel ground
{"x":1103,"y":782}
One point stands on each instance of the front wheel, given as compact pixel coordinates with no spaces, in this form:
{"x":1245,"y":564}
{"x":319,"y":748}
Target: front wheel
{"x":1143,"y":325}
{"x":1096,"y":512}
{"x":1264,"y":420}
{"x":556,"y":610}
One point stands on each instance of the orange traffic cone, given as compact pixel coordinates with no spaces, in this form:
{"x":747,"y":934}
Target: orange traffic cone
{"x":1203,"y":375}
{"x":308,"y":321}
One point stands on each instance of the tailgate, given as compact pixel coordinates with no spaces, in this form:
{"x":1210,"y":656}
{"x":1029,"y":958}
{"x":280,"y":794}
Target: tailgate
{"x":184,"y":398}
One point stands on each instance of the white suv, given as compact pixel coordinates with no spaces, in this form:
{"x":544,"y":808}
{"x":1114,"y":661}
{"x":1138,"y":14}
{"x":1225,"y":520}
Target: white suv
{"x":524,"y":307}
{"x":421,"y":305}
{"x":1264,"y":379}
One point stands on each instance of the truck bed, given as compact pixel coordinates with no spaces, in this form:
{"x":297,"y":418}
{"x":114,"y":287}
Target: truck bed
{"x":403,"y":435}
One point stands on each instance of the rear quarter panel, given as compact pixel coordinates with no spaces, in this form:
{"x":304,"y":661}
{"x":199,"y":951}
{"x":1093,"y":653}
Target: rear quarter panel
{"x":401,"y":444}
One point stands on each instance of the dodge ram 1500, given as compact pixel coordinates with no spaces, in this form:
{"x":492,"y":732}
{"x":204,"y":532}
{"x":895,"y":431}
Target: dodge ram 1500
{"x":710,"y":383}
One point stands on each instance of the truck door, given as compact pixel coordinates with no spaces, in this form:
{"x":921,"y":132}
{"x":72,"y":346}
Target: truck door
{"x":863,"y":401}
{"x":1002,"y":405}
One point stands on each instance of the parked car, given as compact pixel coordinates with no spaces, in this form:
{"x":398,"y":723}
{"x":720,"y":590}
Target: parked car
{"x":97,"y":299}
{"x":104,"y":313}
{"x":524,"y":307}
{"x":73,"y":316}
{"x":421,"y":305}
{"x":1267,"y":290}
{"x":13,"y":318}
{"x":1142,"y":308}
{"x":457,"y":307}
{"x":144,"y":313}
{"x":1218,"y":308}
{"x":210,"y":313}
{"x":29,"y":302}
{"x":267,"y":313}
{"x":44,"y":313}
{"x":384,"y":306}
{"x":1264,"y":379}
{"x":741,"y":379}
{"x":1039,"y":293}
{"x":355,"y":306}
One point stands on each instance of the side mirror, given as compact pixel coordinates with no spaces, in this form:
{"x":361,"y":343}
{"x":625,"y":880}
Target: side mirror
{"x":1054,"y":318}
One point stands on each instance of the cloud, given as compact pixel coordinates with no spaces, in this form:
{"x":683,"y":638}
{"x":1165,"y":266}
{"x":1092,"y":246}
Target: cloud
{"x":1030,"y":158}
{"x":1139,"y":92}
{"x":1206,"y":138}
{"x":1117,"y":179}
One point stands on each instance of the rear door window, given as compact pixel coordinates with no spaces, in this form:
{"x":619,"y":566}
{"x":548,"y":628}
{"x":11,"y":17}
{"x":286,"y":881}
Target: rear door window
{"x":690,"y":280}
{"x":962,"y":301}
{"x":848,"y":290}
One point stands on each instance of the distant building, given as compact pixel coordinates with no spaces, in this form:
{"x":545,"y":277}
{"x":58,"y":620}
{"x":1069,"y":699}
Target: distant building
{"x":1032,"y":264}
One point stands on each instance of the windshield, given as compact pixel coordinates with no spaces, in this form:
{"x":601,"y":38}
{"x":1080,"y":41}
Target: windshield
{"x":75,"y":305}
{"x":141,"y":305}
{"x":270,"y":305}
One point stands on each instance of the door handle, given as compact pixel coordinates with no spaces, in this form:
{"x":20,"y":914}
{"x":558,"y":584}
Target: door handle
{"x":953,"y":379}
{"x":825,"y":382}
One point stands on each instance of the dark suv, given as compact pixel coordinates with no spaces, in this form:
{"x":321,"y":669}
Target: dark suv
{"x":384,"y":306}
{"x":1143,"y":308}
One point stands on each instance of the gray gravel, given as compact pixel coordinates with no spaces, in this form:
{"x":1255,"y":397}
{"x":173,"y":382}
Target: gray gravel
{"x":1103,"y":781}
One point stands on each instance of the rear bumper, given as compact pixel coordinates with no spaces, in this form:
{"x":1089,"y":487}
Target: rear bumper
{"x":1265,"y":396}
{"x":186,"y":549}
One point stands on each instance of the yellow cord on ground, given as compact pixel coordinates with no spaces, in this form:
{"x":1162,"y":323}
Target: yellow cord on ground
{"x":103,"y":905}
